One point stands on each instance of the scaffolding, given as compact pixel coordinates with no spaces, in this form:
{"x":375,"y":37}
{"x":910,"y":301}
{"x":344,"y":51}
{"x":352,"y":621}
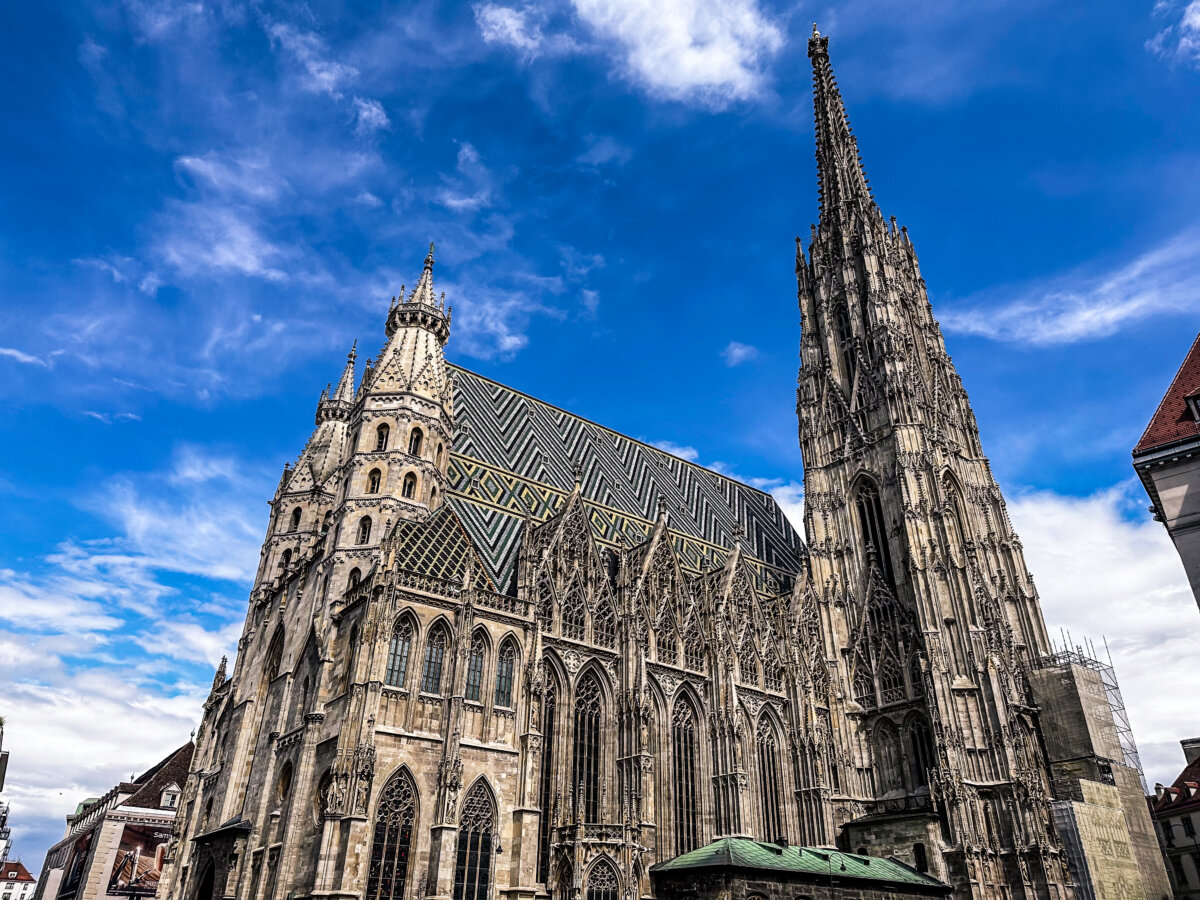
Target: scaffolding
{"x":1085,"y":655}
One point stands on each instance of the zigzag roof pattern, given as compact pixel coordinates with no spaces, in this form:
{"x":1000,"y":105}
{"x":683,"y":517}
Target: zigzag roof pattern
{"x":514,"y":457}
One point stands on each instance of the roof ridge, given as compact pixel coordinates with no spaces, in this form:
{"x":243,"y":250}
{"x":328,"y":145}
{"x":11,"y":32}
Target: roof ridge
{"x":610,"y":430}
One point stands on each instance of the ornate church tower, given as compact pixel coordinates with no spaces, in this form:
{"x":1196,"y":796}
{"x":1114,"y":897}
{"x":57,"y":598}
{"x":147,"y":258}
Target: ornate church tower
{"x":929,"y":611}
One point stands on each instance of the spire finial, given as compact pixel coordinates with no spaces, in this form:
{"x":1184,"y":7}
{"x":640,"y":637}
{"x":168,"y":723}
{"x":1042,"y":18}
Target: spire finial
{"x":842,"y":183}
{"x":815,"y":32}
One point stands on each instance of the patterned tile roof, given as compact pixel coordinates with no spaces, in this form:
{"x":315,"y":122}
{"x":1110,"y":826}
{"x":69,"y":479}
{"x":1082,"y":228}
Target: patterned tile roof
{"x":438,"y":548}
{"x":1173,"y":421}
{"x":744,"y":853}
{"x":514,"y":457}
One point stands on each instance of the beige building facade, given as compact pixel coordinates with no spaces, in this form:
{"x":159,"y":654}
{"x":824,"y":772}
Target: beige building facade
{"x":495,"y":651}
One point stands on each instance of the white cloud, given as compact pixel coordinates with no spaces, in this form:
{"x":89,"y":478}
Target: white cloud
{"x":736,"y":353}
{"x":251,"y":179}
{"x":691,"y":454}
{"x":321,"y":75}
{"x":369,"y":116}
{"x":22,"y":357}
{"x":710,"y":52}
{"x":204,"y":239}
{"x":790,"y":497}
{"x":1179,"y":41}
{"x":472,"y":189}
{"x":517,"y":29}
{"x":369,"y":200}
{"x":1086,"y":305}
{"x":1103,"y":567}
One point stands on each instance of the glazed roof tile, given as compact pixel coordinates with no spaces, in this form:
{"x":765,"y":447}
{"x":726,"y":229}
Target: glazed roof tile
{"x":744,"y":853}
{"x":1173,"y":420}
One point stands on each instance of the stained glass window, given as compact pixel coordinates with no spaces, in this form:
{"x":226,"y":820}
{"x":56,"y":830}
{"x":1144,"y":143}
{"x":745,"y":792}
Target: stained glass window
{"x":585,"y":778}
{"x":473,"y":859}
{"x":685,"y":776}
{"x":435,"y":652}
{"x":398,"y":650}
{"x":505,"y":664}
{"x":768,"y":776}
{"x":388,"y":875}
{"x":475,"y":668}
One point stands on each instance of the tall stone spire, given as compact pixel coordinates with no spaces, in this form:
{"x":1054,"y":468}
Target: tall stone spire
{"x":842,"y":182}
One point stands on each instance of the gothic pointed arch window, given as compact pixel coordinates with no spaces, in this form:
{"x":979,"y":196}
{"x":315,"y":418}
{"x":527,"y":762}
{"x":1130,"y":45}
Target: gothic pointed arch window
{"x":916,"y":678}
{"x":574,"y":614}
{"x":920,"y":755}
{"x":274,"y":656}
{"x":602,"y":881}
{"x":769,"y":781}
{"x":414,"y":442}
{"x":435,"y":655}
{"x":440,"y":456}
{"x":325,"y":522}
{"x":891,"y":680}
{"x":693,"y":648}
{"x":864,"y":684}
{"x":381,"y":438}
{"x":286,"y":559}
{"x":373,"y":481}
{"x":545,"y":602}
{"x":772,"y":671}
{"x":353,"y":578}
{"x":399,"y":649}
{"x":409,"y":488}
{"x":546,"y":792}
{"x":665,"y":645}
{"x":473,"y":854}
{"x":475,"y":660}
{"x":364,"y":530}
{"x":604,"y":625}
{"x":873,"y":529}
{"x":296,"y":514}
{"x":506,"y":663}
{"x":387,"y":877}
{"x":685,"y":775}
{"x":888,"y":773}
{"x":585,"y":774}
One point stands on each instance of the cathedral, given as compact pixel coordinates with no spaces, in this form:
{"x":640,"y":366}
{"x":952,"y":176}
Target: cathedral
{"x":495,"y":651}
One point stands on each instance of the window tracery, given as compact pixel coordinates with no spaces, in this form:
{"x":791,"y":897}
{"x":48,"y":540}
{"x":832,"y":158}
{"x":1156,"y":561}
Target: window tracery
{"x":473,"y":856}
{"x":604,"y":625}
{"x":505,"y":664}
{"x":769,"y":780}
{"x":398,"y":650}
{"x":574,"y":615}
{"x":435,"y":652}
{"x":387,"y":876}
{"x":585,"y":777}
{"x":685,"y":776}
{"x":602,"y":881}
{"x":475,"y":668}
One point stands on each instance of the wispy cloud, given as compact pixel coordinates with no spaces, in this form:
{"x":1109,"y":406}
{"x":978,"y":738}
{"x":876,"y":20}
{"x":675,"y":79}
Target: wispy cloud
{"x":1104,"y":568}
{"x":1180,"y":40}
{"x":369,"y":116}
{"x":320,"y":74}
{"x":1086,"y":305}
{"x":22,"y":357}
{"x":472,"y":189}
{"x":736,"y":353}
{"x":691,"y":454}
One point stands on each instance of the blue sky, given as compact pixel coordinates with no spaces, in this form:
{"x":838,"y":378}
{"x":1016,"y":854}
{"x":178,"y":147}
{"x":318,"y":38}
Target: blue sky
{"x":206,"y":202}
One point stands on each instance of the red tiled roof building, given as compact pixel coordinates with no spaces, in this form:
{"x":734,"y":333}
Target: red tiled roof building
{"x":1167,"y":459}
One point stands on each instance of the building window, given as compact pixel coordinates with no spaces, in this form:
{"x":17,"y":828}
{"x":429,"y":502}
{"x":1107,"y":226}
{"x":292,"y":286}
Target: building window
{"x":920,"y":858}
{"x":864,"y":685}
{"x":604,"y":625}
{"x":475,"y":668}
{"x":296,"y":514}
{"x":328,"y":518}
{"x":586,"y":775}
{"x":920,"y":757}
{"x":398,"y":650}
{"x":664,"y":643}
{"x":414,"y":442}
{"x":602,"y":881}
{"x":373,"y":480}
{"x":574,"y":615}
{"x":435,"y":652}
{"x":410,"y":486}
{"x":388,"y":876}
{"x":473,"y":859}
{"x":685,"y":775}
{"x":549,"y":733}
{"x":381,"y":437}
{"x":364,"y":530}
{"x":891,"y":681}
{"x":773,"y":671}
{"x":353,"y":578}
{"x":283,"y":786}
{"x":768,"y":776}
{"x":286,"y":559}
{"x":505,"y":663}
{"x":693,"y":649}
{"x":170,"y":799}
{"x":441,"y":455}
{"x":873,"y":531}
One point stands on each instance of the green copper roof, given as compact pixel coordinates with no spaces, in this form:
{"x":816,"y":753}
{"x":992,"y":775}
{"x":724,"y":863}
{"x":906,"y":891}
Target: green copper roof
{"x":743,"y":853}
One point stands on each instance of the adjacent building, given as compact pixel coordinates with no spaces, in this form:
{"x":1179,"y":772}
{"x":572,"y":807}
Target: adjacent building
{"x":1176,"y":811}
{"x":495,"y":651}
{"x":1167,"y":459}
{"x":114,"y":845}
{"x":744,"y":869}
{"x":15,"y":882}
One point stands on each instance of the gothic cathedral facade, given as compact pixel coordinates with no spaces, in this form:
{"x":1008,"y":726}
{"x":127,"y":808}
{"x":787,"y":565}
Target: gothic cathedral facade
{"x":495,"y":651}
